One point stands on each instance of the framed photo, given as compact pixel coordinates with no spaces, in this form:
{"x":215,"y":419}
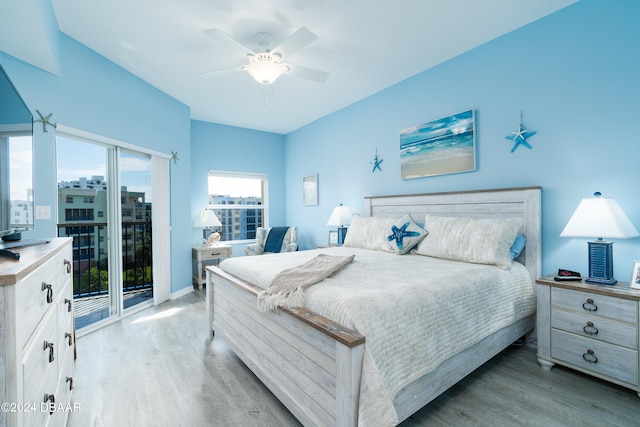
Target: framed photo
{"x":635,"y":275}
{"x":333,"y":238}
{"x":443,"y":146}
{"x":310,"y":190}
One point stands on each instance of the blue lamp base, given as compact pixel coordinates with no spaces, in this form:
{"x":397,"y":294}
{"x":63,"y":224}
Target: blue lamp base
{"x":601,"y":263}
{"x":342,"y":233}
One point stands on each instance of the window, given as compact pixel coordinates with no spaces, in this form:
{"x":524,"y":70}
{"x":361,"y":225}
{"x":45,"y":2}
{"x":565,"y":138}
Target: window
{"x":240,"y":202}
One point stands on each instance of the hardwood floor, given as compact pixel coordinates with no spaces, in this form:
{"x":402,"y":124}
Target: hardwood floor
{"x":159,"y":368}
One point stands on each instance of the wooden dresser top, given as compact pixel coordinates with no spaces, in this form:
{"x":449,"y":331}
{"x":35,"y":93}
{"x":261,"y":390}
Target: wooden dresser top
{"x":31,"y":257}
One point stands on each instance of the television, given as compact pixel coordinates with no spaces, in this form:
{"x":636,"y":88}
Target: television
{"x":16,"y":164}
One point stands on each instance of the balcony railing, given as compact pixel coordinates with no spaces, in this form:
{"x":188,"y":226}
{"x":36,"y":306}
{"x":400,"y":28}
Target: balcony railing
{"x":90,"y":257}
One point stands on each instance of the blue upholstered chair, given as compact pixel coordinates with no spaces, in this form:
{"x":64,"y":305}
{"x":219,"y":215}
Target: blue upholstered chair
{"x":273,"y":240}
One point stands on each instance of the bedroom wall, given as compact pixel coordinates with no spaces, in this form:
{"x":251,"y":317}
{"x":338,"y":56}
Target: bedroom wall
{"x":574,"y":76}
{"x":233,"y":149}
{"x":95,"y":95}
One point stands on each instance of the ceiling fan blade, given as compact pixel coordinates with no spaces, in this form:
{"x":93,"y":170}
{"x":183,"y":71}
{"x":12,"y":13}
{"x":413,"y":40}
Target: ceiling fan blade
{"x":221,"y":71}
{"x":307,"y":73}
{"x":295,"y":42}
{"x":229,"y":41}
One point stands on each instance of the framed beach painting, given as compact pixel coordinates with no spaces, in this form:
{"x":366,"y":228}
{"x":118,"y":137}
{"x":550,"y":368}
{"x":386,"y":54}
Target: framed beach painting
{"x":443,"y":146}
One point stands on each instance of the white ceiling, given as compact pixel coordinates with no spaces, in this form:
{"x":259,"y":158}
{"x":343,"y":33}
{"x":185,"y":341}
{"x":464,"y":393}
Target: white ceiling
{"x":365,"y":45}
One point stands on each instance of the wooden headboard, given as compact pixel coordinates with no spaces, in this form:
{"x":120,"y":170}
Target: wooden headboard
{"x":506,"y":202}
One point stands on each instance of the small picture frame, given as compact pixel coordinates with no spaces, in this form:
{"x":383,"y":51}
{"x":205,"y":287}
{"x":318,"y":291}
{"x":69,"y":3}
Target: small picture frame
{"x":310,"y":190}
{"x":333,"y":238}
{"x":635,"y":275}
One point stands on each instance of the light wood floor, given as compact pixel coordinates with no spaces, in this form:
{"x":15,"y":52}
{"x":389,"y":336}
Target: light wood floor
{"x":159,"y":368}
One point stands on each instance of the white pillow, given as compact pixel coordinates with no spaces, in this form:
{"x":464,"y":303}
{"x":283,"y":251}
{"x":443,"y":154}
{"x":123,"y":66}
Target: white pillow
{"x":480,"y":241}
{"x":370,"y":233}
{"x":404,"y":234}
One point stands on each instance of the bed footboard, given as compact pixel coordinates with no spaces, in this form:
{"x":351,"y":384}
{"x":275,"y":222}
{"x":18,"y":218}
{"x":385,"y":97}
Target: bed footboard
{"x":311,"y":364}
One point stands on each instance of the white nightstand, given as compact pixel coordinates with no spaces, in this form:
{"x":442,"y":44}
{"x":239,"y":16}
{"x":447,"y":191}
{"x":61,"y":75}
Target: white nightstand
{"x":200,"y":254}
{"x":590,"y":328}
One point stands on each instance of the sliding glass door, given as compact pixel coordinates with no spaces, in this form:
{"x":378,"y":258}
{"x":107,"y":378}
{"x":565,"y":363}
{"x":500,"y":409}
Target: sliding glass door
{"x":105,"y":205}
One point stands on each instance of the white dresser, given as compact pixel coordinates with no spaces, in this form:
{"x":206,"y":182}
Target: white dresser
{"x":37,"y":340}
{"x":591,"y":328}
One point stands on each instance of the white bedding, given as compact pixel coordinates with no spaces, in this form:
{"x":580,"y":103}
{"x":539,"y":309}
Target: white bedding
{"x":415,"y":311}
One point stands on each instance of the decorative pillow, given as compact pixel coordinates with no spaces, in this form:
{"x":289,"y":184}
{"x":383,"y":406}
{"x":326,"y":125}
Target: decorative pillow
{"x":405,"y":234}
{"x":369,"y":233}
{"x":481,"y":241}
{"x":517,"y":247}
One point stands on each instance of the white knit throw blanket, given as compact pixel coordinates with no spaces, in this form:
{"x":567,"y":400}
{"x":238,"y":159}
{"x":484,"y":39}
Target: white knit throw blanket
{"x":287,"y":287}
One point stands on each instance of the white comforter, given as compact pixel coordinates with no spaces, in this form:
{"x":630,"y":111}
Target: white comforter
{"x":415,"y":311}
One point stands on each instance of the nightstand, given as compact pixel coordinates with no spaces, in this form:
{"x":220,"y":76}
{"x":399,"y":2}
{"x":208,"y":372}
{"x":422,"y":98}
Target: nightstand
{"x":204,"y":254}
{"x":590,"y":328}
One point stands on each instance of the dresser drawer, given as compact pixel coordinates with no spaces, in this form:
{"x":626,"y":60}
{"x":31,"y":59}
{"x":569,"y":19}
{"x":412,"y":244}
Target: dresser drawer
{"x":39,"y":373}
{"x":613,"y":361}
{"x":596,"y":327}
{"x":65,"y":336}
{"x":32,"y":300}
{"x":596,"y":304}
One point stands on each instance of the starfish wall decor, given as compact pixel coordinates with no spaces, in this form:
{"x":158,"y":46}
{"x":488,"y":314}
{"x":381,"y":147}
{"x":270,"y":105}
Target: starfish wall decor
{"x":520,"y":137}
{"x":45,"y":121}
{"x":174,"y":157}
{"x":376,"y":162}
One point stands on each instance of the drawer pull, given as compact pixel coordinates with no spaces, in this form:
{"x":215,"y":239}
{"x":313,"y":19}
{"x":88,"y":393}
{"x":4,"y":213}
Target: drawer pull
{"x":50,"y":400}
{"x":68,"y":302}
{"x":70,"y":381}
{"x":590,"y":329}
{"x":49,"y":345}
{"x":589,"y":305}
{"x":67,"y":264}
{"x":69,"y":337}
{"x":47,"y":287}
{"x":590,"y":357}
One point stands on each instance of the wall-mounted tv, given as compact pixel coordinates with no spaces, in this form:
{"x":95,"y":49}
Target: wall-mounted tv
{"x":16,"y":162}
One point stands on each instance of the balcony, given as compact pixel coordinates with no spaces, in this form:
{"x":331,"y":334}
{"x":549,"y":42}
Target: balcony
{"x":90,"y":267}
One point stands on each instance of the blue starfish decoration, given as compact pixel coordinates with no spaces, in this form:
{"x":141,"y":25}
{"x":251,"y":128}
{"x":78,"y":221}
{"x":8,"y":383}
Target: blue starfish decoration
{"x":174,"y":157}
{"x":398,"y":234}
{"x":376,"y":162}
{"x":520,"y":137}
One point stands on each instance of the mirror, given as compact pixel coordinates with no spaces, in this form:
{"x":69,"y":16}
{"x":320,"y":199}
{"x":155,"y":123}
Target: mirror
{"x":16,"y":162}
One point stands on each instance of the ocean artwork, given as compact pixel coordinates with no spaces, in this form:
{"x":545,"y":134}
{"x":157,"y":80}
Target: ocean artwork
{"x":439,"y":147}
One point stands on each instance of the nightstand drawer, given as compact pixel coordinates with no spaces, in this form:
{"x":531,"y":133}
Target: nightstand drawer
{"x":215,"y":253}
{"x":595,"y":356}
{"x":596,"y":327}
{"x":595,"y":304}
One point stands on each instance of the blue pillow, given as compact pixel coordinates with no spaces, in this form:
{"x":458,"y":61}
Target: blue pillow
{"x":405,"y":234}
{"x":517,"y":247}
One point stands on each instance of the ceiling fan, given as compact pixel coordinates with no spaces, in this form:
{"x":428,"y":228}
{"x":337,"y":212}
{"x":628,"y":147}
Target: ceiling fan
{"x":266,"y":66}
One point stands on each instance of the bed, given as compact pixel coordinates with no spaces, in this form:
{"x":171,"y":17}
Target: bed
{"x":319,"y":361}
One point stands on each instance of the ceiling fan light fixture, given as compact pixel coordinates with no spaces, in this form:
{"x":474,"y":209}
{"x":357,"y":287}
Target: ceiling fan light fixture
{"x":265,"y":68}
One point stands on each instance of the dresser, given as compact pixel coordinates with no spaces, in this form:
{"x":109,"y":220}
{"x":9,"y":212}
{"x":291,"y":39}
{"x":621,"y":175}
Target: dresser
{"x":37,"y":340}
{"x":202,"y":255}
{"x":591,"y":328}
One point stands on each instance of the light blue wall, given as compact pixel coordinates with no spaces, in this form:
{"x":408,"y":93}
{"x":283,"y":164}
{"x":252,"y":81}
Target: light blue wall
{"x":93,"y":94}
{"x":574,"y":75}
{"x":227,"y":148}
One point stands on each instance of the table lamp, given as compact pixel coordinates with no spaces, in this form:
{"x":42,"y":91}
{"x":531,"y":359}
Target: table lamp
{"x":341,"y":217}
{"x":206,"y":220}
{"x":600,"y":217}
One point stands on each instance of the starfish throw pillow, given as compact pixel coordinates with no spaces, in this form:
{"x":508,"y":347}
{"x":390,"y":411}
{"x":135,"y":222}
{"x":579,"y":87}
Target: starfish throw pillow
{"x":405,"y":234}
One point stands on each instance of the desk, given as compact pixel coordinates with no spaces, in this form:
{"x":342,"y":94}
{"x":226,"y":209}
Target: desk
{"x":200,"y":254}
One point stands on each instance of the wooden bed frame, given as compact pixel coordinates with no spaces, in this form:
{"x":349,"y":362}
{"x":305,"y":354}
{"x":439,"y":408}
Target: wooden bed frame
{"x":314,"y":365}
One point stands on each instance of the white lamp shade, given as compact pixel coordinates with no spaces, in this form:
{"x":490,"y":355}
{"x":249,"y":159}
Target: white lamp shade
{"x":265,"y":68}
{"x":206,"y":219}
{"x":599,"y":217}
{"x":340,"y":216}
